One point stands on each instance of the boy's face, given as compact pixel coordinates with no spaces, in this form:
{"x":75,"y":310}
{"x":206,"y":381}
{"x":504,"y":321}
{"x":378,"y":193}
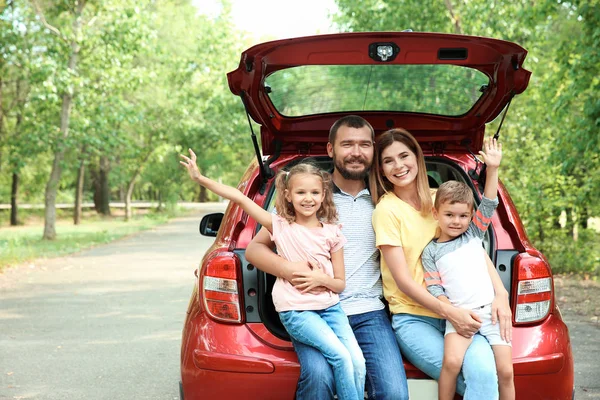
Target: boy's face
{"x":453,"y":219}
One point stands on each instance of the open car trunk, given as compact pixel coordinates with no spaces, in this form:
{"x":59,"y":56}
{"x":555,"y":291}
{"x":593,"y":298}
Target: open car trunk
{"x":260,"y":308}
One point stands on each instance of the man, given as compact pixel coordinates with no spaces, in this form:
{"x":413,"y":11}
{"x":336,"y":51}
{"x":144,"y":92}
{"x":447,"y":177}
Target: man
{"x":351,"y":148}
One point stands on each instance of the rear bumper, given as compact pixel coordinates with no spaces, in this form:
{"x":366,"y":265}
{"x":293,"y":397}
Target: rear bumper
{"x":232,"y":362}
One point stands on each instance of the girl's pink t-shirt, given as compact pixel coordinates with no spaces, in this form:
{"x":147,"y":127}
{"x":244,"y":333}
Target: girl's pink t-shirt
{"x":298,"y":243}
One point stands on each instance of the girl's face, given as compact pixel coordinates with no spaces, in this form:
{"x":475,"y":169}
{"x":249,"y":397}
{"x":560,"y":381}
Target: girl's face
{"x":399,"y":165}
{"x":305,"y":192}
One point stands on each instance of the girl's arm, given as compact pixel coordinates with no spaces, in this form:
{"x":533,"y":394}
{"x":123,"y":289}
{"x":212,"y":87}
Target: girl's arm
{"x":307,"y":281}
{"x":500,"y":306}
{"x":260,"y":253}
{"x":492,"y":157}
{"x":466,"y":322}
{"x":255,"y":211}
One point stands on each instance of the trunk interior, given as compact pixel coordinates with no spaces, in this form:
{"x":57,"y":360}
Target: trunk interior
{"x":258,"y":285}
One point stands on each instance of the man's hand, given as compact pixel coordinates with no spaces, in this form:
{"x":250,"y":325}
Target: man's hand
{"x":501,"y":313}
{"x":466,"y":322}
{"x":310,"y":281}
{"x":491,"y":153}
{"x":291,"y":268}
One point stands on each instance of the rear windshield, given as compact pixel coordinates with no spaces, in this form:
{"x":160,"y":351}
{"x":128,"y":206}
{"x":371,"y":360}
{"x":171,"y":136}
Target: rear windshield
{"x":448,"y":90}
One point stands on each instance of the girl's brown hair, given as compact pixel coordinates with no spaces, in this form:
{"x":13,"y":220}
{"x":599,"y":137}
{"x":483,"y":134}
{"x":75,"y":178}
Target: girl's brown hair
{"x":380,"y":185}
{"x":327,"y":213}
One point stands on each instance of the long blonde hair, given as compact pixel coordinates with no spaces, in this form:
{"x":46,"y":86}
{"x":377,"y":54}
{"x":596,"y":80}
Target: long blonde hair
{"x":380,"y":185}
{"x":327,"y":213}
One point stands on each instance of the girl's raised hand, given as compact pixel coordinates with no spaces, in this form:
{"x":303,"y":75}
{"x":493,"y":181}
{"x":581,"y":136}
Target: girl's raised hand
{"x":190,"y":164}
{"x":491,"y":153}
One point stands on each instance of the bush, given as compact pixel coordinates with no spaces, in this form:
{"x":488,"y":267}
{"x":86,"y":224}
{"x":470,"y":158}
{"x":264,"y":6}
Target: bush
{"x":566,"y":255}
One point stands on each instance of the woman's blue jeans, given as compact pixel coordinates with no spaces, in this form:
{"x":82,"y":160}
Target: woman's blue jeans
{"x":421,"y":341}
{"x":329,"y":331}
{"x":386,"y":378}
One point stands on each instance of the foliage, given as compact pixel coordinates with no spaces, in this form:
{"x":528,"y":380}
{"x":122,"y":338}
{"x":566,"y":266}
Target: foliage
{"x":551,"y":133}
{"x":149,"y":82}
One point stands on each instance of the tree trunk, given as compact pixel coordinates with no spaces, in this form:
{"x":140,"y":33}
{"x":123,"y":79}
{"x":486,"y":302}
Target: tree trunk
{"x":455,"y":19}
{"x":159,"y":199}
{"x":570,"y":222}
{"x":1,"y":119}
{"x":203,"y":195}
{"x":79,"y":193}
{"x":53,"y":181}
{"x":13,"y":200}
{"x":128,"y":194}
{"x":14,"y":208}
{"x":584,"y":217}
{"x":104,"y":186}
{"x":131,"y":185}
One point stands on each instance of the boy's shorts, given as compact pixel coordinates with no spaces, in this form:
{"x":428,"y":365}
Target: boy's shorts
{"x":488,"y":330}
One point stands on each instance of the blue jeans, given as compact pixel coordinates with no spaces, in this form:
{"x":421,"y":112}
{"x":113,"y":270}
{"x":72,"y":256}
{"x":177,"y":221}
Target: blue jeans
{"x":386,"y":378}
{"x":329,"y":332}
{"x":421,"y":341}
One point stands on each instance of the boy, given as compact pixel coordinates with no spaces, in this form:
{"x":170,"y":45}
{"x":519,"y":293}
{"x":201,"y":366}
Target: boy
{"x":459,"y":271}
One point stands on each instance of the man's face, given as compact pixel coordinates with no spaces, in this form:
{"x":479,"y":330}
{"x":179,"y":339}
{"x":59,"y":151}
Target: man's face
{"x":352,"y":152}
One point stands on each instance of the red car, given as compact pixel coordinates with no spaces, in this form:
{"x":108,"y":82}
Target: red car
{"x":443,"y":89}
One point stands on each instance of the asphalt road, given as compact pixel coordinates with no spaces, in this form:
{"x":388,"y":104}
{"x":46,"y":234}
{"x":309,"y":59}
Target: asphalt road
{"x":103,"y":324}
{"x":106,"y":323}
{"x":585,"y":342}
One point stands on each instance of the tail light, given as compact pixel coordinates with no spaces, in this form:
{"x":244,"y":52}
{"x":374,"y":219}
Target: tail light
{"x":220,"y":287}
{"x":534,"y":289}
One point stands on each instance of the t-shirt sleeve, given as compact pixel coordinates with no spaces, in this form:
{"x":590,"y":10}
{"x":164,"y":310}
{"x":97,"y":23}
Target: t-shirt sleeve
{"x":338,"y":240}
{"x":482,"y":217}
{"x":386,"y":225}
{"x":432,"y":275}
{"x":277,"y":223}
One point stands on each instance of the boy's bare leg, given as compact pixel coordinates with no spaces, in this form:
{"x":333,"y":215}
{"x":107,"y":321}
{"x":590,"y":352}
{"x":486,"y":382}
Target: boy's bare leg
{"x":455,"y":347}
{"x":504,"y":366}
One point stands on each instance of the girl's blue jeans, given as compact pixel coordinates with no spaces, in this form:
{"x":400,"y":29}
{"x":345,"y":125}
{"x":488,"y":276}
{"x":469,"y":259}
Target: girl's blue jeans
{"x":421,"y":341}
{"x":329,"y":331}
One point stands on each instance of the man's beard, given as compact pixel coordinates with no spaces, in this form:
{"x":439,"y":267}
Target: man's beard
{"x":348,"y":174}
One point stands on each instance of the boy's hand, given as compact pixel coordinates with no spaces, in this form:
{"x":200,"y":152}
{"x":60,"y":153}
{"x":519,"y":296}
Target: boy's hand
{"x":190,"y":164}
{"x":491,"y":153}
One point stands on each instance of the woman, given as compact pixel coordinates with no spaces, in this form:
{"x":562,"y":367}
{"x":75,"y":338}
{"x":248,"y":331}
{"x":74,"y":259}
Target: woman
{"x":404,"y":224}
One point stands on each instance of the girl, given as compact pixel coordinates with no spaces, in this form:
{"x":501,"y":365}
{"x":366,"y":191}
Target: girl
{"x":404,"y":225}
{"x":310,"y":310}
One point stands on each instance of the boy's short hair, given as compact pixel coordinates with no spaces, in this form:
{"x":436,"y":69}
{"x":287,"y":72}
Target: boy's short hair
{"x":454,"y":192}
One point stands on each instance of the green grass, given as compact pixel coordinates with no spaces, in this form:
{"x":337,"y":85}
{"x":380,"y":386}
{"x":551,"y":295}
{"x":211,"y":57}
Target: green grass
{"x":23,"y":243}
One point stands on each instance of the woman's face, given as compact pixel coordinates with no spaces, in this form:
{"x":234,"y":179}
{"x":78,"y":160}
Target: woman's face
{"x":399,"y":165}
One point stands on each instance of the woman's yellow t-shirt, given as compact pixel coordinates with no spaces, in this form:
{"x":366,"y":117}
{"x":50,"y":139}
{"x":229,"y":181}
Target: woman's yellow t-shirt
{"x":396,"y":223}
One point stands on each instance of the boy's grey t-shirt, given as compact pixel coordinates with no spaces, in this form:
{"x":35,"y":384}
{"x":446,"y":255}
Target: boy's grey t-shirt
{"x":458,"y":268}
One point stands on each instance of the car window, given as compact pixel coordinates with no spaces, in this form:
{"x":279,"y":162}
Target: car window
{"x":448,"y":90}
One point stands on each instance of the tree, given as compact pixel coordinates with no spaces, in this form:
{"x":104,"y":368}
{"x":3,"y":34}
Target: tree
{"x":551,"y":131}
{"x":22,"y":68}
{"x":96,"y":31}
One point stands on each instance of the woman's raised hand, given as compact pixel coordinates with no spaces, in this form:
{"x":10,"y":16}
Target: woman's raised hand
{"x":491,"y":153}
{"x":190,"y":164}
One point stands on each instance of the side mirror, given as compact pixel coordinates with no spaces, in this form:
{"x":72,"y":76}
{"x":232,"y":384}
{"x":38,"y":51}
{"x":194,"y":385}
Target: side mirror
{"x":210,"y":223}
